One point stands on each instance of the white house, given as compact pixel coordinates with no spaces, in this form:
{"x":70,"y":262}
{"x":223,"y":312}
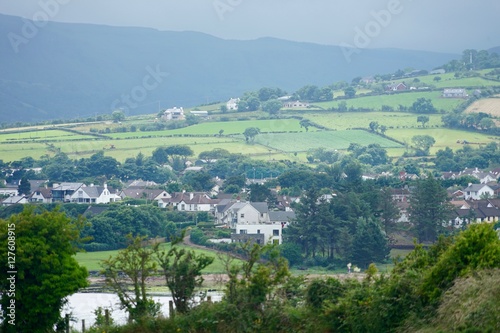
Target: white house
{"x":476,"y":191}
{"x":259,"y":233}
{"x":201,"y":114}
{"x":455,"y":93}
{"x":41,"y":195}
{"x":295,"y":104}
{"x":144,"y":193}
{"x":242,"y":213}
{"x":189,"y":202}
{"x":173,"y":114}
{"x":94,"y":194}
{"x":232,"y":104}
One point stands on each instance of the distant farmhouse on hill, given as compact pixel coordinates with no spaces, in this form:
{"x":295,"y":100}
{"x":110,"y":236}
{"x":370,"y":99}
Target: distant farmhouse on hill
{"x":232,"y":104}
{"x":455,"y":93}
{"x":173,"y":114}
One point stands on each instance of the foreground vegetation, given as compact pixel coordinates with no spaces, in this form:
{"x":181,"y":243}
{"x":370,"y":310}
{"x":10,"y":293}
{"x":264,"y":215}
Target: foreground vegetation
{"x":451,"y":287}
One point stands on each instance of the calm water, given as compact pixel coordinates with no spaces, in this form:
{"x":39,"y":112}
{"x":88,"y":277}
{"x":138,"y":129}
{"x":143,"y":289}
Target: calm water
{"x":82,"y":305}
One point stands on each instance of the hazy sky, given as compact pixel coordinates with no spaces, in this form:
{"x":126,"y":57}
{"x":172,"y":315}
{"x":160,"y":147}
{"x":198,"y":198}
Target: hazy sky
{"x":438,"y":25}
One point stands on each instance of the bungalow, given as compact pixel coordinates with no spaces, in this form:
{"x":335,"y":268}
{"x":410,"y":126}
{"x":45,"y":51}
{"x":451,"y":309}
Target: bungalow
{"x":296,"y":104}
{"x":478,"y":191}
{"x":144,"y":193}
{"x":396,"y":87}
{"x":480,"y":211}
{"x":201,"y":114}
{"x":41,"y":195}
{"x":455,"y":93}
{"x":189,"y":202}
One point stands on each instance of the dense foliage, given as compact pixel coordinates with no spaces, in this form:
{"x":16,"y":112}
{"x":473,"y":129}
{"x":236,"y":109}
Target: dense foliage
{"x":43,"y":268}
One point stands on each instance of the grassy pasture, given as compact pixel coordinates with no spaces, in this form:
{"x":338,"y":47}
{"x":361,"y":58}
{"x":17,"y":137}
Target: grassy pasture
{"x":448,"y":80}
{"x":16,"y":151}
{"x":296,"y":142}
{"x":92,"y":260}
{"x":42,"y":135}
{"x":343,"y":120}
{"x":131,"y":147}
{"x":394,"y":100}
{"x":444,"y":137}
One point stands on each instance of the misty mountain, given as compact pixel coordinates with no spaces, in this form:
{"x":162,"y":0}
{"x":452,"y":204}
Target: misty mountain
{"x":62,"y":70}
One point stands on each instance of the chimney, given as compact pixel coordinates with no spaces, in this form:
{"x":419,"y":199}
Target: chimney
{"x":191,"y":195}
{"x":238,"y":198}
{"x":105,"y":186}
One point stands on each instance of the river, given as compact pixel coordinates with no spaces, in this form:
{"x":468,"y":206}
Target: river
{"x":81,"y":306}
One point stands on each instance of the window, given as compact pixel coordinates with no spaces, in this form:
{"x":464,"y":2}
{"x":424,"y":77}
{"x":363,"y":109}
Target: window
{"x":258,"y":231}
{"x":243,"y":231}
{"x":242,"y":215}
{"x":183,"y":207}
{"x":276,"y":232}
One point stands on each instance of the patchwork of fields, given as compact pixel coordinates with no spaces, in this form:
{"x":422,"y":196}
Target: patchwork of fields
{"x":394,"y":100}
{"x":279,"y":139}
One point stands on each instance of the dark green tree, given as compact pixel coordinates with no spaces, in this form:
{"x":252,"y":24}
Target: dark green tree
{"x":198,"y":180}
{"x":250,"y":133}
{"x":182,"y":270}
{"x":24,"y":187}
{"x":423,"y":143}
{"x":423,"y":105}
{"x":46,"y":269}
{"x":369,"y":243}
{"x":135,"y":264}
{"x":350,"y":92}
{"x":389,"y":212}
{"x":423,"y":120}
{"x":373,"y":126}
{"x":272,"y":107}
{"x":429,"y":208}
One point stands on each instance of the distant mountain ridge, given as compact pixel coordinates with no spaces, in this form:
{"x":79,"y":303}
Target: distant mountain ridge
{"x":79,"y":70}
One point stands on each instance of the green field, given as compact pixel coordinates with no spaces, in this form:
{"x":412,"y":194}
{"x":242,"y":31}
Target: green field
{"x":92,"y":260}
{"x":343,"y":120}
{"x":295,"y":142}
{"x":444,"y":137}
{"x":394,"y":100}
{"x":42,"y":135}
{"x":229,"y":127}
{"x":448,"y":80}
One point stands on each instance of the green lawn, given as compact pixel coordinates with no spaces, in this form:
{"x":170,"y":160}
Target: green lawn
{"x":92,"y":260}
{"x":394,"y":100}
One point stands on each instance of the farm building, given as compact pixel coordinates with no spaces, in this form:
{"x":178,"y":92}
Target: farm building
{"x":455,"y":93}
{"x":201,"y":114}
{"x":396,"y":87}
{"x":296,"y":104}
{"x":173,"y":114}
